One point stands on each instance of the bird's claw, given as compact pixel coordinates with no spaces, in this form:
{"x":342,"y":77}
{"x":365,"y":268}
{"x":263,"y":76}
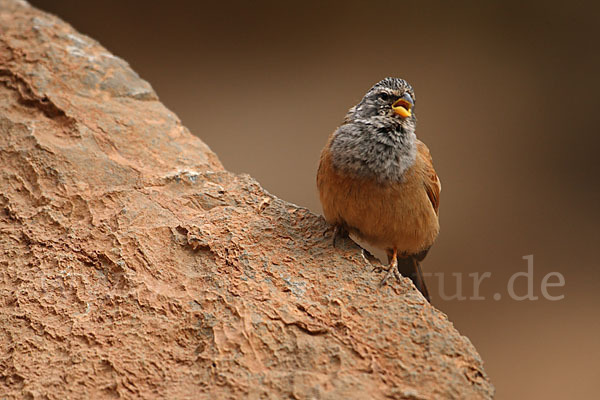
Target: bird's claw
{"x":336,"y":232}
{"x":379,"y":269}
{"x":391,"y":271}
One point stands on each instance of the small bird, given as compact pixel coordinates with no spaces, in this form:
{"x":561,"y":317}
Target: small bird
{"x":376,"y":180}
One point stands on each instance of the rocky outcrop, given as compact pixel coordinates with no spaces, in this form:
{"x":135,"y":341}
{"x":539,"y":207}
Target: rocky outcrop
{"x":133,"y":265}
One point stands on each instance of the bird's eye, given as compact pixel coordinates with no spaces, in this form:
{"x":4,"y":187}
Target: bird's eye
{"x":385,"y":96}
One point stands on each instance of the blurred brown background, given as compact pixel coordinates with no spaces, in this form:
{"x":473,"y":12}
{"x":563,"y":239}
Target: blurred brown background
{"x":506,"y":99}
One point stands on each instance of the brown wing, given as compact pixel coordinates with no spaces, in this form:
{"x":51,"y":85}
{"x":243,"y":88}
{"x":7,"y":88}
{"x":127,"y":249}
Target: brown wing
{"x":431,"y":181}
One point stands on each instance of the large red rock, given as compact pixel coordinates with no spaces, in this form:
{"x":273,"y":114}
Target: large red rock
{"x":133,"y":265}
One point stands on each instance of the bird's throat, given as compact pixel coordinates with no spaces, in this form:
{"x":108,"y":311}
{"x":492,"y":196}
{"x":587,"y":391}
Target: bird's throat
{"x":374,"y":152}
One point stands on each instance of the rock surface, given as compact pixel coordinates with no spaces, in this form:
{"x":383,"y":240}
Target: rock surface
{"x":133,"y":265}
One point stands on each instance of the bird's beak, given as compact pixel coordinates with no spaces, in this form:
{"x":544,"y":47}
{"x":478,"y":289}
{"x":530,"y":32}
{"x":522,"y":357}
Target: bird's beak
{"x":403,"y":106}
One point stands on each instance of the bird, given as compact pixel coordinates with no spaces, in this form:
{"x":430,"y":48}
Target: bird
{"x":376,"y":180}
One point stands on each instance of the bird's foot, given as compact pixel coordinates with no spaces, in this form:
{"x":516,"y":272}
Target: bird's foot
{"x":391,"y":270}
{"x":338,"y":232}
{"x":364,"y":256}
{"x":379,"y":268}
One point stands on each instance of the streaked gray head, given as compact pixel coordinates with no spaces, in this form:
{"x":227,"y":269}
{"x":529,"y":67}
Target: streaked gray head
{"x":377,"y":139}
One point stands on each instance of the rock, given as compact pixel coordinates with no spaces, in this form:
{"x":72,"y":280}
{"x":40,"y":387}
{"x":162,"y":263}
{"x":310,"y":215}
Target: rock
{"x":133,"y":265}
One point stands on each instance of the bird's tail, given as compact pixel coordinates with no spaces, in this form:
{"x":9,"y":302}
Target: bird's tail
{"x":411,"y":267}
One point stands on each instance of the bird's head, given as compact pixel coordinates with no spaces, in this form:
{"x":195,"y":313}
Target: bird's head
{"x":377,"y":138}
{"x":389,"y":102}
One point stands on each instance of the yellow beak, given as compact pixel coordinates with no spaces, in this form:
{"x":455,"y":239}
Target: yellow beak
{"x":402,"y":108}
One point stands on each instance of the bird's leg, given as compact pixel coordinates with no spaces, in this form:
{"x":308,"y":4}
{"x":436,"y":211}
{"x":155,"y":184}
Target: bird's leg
{"x":364,"y":256}
{"x":380,"y":267}
{"x":392,"y":268}
{"x":338,"y":231}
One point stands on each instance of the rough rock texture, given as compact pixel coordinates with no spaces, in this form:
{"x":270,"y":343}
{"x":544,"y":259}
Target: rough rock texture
{"x":133,"y":265}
